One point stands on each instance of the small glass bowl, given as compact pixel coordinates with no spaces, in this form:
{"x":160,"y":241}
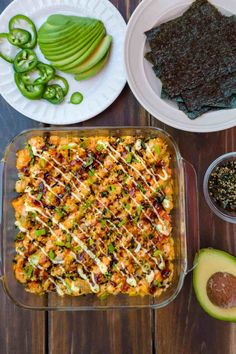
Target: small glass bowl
{"x":220,"y":212}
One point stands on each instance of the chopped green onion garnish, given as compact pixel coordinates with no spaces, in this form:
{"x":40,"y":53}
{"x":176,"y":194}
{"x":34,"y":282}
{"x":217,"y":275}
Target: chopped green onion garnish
{"x":91,"y":172}
{"x":68,"y":245}
{"x":66,"y":147}
{"x":39,"y":197}
{"x":123,"y":222}
{"x":89,"y":162}
{"x":90,"y":181}
{"x":51,"y":254}
{"x":91,"y":241}
{"x":41,"y":232}
{"x":157,"y":253}
{"x":140,"y":208}
{"x":111,"y":248}
{"x":157,"y":150}
{"x":100,"y":147}
{"x":28,"y":270}
{"x":127,"y":206}
{"x":141,"y":188}
{"x":103,"y":222}
{"x":129,"y":158}
{"x":112,"y":188}
{"x":77,"y":248}
{"x":59,"y":243}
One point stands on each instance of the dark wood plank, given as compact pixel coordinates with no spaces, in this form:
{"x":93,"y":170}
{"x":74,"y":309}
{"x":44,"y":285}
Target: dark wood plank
{"x":21,"y":331}
{"x":183,"y":327}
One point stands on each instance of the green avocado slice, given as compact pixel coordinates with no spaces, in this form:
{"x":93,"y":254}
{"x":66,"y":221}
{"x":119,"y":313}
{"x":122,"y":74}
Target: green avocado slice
{"x":58,"y":38}
{"x":68,"y":49}
{"x":95,"y":57}
{"x":93,"y":71}
{"x":207,"y":263}
{"x":80,"y":57}
{"x":50,"y":38}
{"x":45,"y":33}
{"x":62,"y":20}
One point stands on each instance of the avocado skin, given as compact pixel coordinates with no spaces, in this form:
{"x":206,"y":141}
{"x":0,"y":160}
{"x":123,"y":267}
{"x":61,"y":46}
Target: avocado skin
{"x":94,"y":70}
{"x":222,"y":259}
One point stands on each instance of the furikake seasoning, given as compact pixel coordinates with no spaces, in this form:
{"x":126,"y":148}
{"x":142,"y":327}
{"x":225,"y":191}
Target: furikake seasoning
{"x":222,"y":186}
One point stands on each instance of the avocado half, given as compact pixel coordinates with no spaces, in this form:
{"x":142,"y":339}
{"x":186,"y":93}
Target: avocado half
{"x":207,"y":263}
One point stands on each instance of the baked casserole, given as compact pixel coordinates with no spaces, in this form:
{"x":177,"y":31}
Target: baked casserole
{"x":94,"y":216}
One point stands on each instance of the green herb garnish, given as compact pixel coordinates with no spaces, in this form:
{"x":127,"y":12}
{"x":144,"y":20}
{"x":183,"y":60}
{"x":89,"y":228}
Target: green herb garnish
{"x":129,"y":158}
{"x":157,"y":253}
{"x":103,"y":222}
{"x":52,"y":254}
{"x":140,"y":187}
{"x":123,"y":222}
{"x":39,"y":197}
{"x":139,"y":209}
{"x":89,"y":162}
{"x":112,"y":188}
{"x":41,"y":232}
{"x":100,"y":147}
{"x":111,"y":248}
{"x":59,"y":243}
{"x":127,"y":206}
{"x":91,"y":241}
{"x":157,"y":150}
{"x":91,"y":172}
{"x":28,"y":270}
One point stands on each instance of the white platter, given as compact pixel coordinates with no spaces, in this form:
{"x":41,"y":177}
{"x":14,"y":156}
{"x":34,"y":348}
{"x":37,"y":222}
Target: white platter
{"x":99,"y":92}
{"x":141,"y":78}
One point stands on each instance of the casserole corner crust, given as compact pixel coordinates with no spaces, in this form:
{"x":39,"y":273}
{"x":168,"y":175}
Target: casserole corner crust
{"x":93,"y":215}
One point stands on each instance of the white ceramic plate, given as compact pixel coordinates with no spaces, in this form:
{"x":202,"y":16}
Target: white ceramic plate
{"x":99,"y":92}
{"x":141,"y":78}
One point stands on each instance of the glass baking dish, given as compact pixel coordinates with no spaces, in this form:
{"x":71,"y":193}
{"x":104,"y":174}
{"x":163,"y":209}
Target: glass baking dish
{"x":184,"y":214}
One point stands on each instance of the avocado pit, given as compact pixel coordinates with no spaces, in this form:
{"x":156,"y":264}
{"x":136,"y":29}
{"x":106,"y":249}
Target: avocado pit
{"x":221,"y":289}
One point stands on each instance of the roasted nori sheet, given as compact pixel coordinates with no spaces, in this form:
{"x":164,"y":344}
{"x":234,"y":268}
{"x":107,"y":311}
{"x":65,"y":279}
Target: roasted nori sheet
{"x":195,"y":58}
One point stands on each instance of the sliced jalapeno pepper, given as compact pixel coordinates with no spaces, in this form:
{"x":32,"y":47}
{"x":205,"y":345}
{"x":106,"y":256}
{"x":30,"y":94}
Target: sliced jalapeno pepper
{"x":47,"y":73}
{"x":76,"y":98}
{"x":7,"y":50}
{"x":19,"y":37}
{"x":59,"y":95}
{"x":25,"y":60}
{"x":49,"y":93}
{"x":41,"y":74}
{"x":32,"y":92}
{"x":61,"y":81}
{"x":23,"y":22}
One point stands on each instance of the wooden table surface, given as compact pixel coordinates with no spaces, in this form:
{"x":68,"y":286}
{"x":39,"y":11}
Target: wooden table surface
{"x":180,"y":328}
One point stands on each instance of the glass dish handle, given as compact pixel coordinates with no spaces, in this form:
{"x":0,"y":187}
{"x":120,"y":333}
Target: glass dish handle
{"x":1,"y":210}
{"x":192,"y":214}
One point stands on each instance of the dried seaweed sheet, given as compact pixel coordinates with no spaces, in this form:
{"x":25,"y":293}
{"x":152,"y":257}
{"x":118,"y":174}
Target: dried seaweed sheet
{"x":195,"y":58}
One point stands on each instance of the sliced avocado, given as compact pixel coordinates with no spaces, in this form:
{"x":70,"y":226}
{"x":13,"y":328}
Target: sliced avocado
{"x":58,"y":39}
{"x":47,"y":29}
{"x":95,"y":57}
{"x":80,"y":57}
{"x":62,"y":20}
{"x":94,"y":70}
{"x":49,"y":38}
{"x":58,"y":20}
{"x":70,"y":48}
{"x":210,"y":263}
